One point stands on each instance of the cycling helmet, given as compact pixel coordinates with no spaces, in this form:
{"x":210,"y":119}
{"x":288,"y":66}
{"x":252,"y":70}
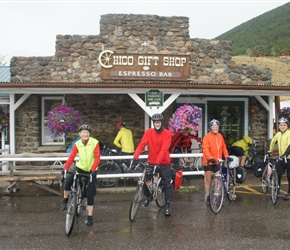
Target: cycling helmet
{"x":84,"y":127}
{"x":283,"y":119}
{"x":213,"y":122}
{"x":121,"y":124}
{"x":157,"y":117}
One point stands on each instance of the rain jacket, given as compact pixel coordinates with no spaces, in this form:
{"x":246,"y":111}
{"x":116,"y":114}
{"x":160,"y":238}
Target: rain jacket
{"x":158,"y":146}
{"x":283,"y":140}
{"x":244,"y":143}
{"x":89,"y":155}
{"x":213,"y":146}
{"x":124,"y":140}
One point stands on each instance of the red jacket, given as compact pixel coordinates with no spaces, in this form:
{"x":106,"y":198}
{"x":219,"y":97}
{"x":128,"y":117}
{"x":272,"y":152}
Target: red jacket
{"x":158,"y":146}
{"x":213,"y":146}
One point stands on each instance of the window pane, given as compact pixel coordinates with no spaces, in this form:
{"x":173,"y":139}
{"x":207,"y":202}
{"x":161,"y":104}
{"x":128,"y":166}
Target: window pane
{"x":230,"y":117}
{"x":48,"y":103}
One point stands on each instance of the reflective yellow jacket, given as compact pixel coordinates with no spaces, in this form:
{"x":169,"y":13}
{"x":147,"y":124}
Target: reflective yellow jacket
{"x":283,"y":141}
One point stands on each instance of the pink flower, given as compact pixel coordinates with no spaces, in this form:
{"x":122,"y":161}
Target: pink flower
{"x":63,"y":120}
{"x":186,"y":119}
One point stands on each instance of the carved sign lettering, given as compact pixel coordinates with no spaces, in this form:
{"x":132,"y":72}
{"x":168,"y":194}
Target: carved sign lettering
{"x":140,"y":66}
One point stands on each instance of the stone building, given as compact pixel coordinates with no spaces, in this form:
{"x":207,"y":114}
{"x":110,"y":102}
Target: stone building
{"x":107,"y":77}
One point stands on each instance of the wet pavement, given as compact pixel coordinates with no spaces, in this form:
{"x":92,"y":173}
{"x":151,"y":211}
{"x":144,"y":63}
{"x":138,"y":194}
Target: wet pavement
{"x":35,"y":221}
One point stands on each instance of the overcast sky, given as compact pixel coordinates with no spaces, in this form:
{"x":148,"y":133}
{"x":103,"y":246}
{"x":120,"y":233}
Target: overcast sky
{"x":29,"y":28}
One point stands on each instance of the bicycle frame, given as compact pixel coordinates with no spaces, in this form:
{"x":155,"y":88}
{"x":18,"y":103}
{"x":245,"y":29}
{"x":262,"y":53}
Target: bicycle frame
{"x":223,"y":182}
{"x":155,"y":189}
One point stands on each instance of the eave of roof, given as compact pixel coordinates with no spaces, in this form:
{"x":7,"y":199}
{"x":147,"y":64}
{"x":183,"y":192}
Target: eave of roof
{"x":142,"y":84}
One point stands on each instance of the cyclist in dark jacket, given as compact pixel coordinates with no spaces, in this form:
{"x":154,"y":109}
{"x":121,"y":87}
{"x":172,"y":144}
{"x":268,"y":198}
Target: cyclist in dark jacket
{"x":158,"y":140}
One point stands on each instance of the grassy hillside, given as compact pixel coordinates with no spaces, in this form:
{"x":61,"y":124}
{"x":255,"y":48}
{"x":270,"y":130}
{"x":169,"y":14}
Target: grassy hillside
{"x":280,"y":68}
{"x":268,"y":33}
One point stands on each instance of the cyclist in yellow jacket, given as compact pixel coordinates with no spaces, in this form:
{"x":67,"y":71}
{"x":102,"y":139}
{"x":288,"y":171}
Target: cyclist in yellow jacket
{"x":124,"y":141}
{"x":282,"y":138}
{"x":241,"y":148}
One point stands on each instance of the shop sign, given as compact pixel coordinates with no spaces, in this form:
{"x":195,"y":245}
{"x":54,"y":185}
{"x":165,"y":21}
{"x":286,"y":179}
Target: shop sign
{"x":154,"y":98}
{"x":144,"y":66}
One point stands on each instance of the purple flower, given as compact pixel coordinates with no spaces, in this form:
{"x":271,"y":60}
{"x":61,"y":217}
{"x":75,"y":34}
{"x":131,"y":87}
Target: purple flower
{"x":63,"y":120}
{"x":186,"y":119}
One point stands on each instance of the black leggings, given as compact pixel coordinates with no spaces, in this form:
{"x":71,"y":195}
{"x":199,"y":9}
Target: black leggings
{"x":280,"y":167}
{"x":91,"y":186}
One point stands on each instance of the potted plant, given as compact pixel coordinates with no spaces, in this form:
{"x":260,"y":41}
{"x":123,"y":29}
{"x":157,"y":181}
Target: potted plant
{"x":63,"y":120}
{"x":186,"y":119}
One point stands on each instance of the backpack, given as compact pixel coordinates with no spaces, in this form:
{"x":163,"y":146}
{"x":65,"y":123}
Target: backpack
{"x":240,"y":175}
{"x":258,"y":165}
{"x":177,"y":177}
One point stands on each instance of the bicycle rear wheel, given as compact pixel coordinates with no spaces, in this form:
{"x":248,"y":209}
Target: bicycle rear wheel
{"x":71,"y":213}
{"x":136,"y":202}
{"x":264,"y":180}
{"x":108,"y":168}
{"x":160,"y":195}
{"x":232,"y":185}
{"x":274,"y":183}
{"x":216,"y":194}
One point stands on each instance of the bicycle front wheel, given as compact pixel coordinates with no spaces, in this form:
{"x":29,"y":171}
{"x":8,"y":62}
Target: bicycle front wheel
{"x":264,"y":179}
{"x":232,"y":185}
{"x":274,"y":183}
{"x":136,"y":202}
{"x":160,"y":195}
{"x":216,"y":194}
{"x":108,"y":168}
{"x":79,"y":199}
{"x":71,"y":213}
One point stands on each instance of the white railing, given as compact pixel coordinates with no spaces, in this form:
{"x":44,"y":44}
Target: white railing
{"x":64,"y":156}
{"x":4,"y":164}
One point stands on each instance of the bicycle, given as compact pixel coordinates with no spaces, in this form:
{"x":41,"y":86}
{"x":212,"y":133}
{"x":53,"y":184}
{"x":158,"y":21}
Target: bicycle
{"x":190,"y":163}
{"x":151,"y":180}
{"x":223,"y":182}
{"x":115,"y":167}
{"x":76,"y":200}
{"x":270,"y":177}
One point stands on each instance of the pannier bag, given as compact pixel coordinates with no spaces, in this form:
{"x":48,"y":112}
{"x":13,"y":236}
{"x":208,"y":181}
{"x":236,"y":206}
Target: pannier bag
{"x":177,"y":177}
{"x":235,"y":162}
{"x":258,"y":165}
{"x":240,"y":175}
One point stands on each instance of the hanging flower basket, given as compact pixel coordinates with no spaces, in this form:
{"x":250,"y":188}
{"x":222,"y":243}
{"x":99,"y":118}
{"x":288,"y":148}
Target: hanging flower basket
{"x":186,"y":119}
{"x":4,"y":120}
{"x":285,"y":112}
{"x":63,"y":120}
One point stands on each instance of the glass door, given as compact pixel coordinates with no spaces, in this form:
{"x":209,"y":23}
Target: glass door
{"x":231,"y":116}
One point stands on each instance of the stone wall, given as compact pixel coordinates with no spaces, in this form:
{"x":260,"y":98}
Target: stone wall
{"x":76,"y":60}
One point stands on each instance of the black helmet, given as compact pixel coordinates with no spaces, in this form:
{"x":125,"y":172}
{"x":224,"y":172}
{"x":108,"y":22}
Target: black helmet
{"x":213,"y":122}
{"x":84,"y":127}
{"x":157,"y":117}
{"x":283,"y":119}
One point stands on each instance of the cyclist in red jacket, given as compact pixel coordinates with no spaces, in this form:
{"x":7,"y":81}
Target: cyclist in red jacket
{"x":158,"y":140}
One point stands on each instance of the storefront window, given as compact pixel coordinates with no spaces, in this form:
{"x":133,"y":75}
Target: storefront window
{"x":230,"y":116}
{"x":47,"y":104}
